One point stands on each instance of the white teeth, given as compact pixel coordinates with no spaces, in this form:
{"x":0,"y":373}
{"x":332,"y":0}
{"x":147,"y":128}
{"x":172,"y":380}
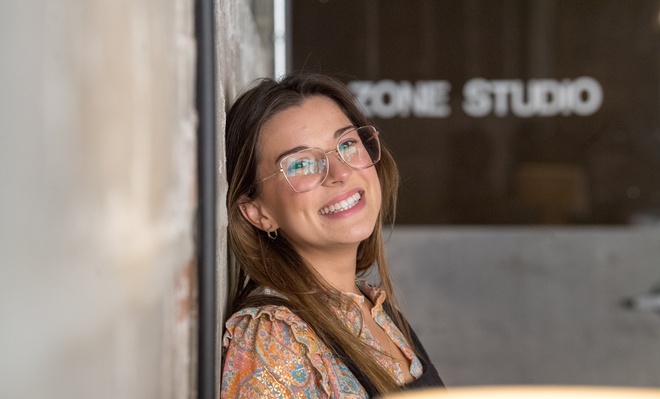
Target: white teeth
{"x":342,"y":205}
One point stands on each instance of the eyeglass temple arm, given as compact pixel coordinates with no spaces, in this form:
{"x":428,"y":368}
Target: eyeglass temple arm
{"x":269,"y":176}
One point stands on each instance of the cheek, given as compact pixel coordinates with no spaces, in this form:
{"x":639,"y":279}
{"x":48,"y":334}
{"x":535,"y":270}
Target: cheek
{"x":286,"y":205}
{"x":379,"y":196}
{"x":375,"y":187}
{"x":274,"y":198}
{"x":375,"y":180}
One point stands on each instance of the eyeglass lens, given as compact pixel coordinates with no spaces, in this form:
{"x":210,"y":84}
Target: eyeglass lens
{"x":359,"y":148}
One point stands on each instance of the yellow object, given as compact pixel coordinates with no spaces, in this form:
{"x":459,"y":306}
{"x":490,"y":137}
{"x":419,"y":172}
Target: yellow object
{"x":535,"y":392}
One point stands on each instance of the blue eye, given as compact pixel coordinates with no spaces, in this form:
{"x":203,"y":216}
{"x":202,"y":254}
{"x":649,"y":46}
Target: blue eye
{"x":304,"y":166}
{"x":344,"y":145}
{"x":348,"y":149}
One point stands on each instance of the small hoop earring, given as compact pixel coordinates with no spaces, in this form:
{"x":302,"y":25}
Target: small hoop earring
{"x":272,"y":234}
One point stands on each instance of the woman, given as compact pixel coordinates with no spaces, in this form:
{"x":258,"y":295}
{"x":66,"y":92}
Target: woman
{"x":310,"y":186}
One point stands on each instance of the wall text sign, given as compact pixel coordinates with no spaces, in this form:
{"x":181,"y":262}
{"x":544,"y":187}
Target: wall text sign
{"x":387,"y":99}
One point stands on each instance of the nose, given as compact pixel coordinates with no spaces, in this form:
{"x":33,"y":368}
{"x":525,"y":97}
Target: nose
{"x":338,"y":171}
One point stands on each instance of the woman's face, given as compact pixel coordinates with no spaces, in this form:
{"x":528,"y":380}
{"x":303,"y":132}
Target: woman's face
{"x":300,"y":216}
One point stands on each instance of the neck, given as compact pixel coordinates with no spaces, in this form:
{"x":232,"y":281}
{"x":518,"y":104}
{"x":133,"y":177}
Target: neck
{"x":337,"y":268}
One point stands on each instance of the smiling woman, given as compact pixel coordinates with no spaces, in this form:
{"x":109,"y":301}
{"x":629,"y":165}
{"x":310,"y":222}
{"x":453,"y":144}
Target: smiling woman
{"x":310,"y":186}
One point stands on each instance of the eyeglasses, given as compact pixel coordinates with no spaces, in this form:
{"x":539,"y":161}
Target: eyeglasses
{"x":307,"y":169}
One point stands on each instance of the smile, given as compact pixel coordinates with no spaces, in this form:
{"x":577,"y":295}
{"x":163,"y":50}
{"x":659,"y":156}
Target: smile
{"x":342,"y":205}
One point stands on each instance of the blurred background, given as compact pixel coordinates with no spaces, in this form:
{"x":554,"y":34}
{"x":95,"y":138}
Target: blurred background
{"x":528,"y":139}
{"x":503,"y":112}
{"x":527,"y":242}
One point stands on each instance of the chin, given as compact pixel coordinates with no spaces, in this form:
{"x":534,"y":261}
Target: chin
{"x":361,"y":234}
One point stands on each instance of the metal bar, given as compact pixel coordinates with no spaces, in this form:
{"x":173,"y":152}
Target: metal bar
{"x":206,"y":169}
{"x":643,"y":303}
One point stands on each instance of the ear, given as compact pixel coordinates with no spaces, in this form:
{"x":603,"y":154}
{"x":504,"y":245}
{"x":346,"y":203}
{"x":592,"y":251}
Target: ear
{"x":254,"y":212}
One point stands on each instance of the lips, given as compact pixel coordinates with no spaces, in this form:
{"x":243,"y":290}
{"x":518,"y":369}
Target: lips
{"x":342,"y":205}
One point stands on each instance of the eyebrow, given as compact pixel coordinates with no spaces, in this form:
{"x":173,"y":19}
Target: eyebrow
{"x":336,"y":135}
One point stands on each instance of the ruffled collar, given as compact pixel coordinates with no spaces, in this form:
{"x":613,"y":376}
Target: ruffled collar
{"x":376,"y":296}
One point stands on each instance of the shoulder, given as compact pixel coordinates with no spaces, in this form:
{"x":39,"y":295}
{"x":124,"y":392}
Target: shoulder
{"x":269,"y":323}
{"x":271,"y":352}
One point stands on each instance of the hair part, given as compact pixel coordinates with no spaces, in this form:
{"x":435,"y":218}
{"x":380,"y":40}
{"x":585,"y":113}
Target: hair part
{"x":275,"y":263}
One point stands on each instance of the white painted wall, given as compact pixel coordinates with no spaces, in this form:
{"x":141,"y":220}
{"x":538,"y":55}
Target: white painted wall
{"x":98,"y":193}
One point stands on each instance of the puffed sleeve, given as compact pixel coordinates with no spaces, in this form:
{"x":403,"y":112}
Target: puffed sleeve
{"x":271,"y":353}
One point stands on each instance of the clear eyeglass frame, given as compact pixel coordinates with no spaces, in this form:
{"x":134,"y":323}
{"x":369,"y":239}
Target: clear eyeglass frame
{"x":374,"y":157}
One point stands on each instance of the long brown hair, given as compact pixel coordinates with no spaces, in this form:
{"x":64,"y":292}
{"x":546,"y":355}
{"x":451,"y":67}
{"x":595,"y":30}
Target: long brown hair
{"x":275,"y":264}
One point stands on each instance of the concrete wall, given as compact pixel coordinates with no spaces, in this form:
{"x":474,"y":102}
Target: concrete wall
{"x":98,"y":192}
{"x":243,"y":55}
{"x":531,"y":306}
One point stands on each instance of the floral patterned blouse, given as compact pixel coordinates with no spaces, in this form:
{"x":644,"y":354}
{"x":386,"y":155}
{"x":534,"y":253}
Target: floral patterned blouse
{"x":272,"y":353}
